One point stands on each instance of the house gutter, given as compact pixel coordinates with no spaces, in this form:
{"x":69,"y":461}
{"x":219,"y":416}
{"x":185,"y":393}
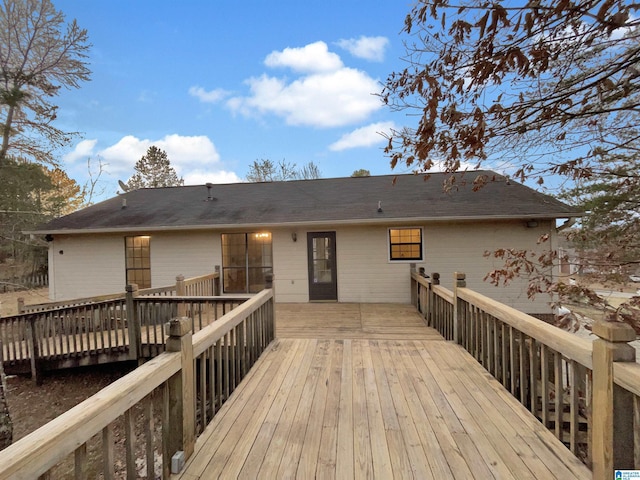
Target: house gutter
{"x":317,"y":223}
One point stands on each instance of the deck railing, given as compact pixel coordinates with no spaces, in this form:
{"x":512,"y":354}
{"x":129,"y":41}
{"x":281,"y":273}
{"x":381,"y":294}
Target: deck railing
{"x":161,"y":406}
{"x":98,"y":329}
{"x":570,"y":383}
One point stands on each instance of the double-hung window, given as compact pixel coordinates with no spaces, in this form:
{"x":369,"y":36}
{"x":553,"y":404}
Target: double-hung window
{"x":405,"y":244}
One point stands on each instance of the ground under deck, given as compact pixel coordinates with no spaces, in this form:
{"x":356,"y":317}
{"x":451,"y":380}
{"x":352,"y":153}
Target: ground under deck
{"x":369,"y":401}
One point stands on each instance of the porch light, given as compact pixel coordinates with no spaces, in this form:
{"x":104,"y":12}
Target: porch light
{"x":294,"y":236}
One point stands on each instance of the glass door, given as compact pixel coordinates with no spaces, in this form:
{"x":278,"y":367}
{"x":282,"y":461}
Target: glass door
{"x":321,"y":254}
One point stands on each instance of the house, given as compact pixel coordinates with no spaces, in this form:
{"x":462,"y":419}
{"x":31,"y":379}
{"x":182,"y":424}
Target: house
{"x":338,"y":239}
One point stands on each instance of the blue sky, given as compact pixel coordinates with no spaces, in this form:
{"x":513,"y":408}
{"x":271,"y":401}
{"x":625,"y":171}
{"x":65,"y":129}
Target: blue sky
{"x":221,"y":84}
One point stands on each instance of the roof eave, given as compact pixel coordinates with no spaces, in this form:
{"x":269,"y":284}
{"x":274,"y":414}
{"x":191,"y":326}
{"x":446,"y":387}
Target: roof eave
{"x":366,"y":221}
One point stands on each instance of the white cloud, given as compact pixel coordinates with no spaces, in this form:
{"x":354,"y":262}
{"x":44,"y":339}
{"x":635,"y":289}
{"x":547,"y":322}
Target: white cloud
{"x":369,"y":48}
{"x":200,"y":177}
{"x":83,"y":150}
{"x":211,"y":96}
{"x":331,"y":99}
{"x":325,"y":93}
{"x":363,"y":137}
{"x":184,"y":152}
{"x":314,"y":57}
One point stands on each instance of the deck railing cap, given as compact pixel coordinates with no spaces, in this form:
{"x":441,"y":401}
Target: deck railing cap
{"x":616,"y":332}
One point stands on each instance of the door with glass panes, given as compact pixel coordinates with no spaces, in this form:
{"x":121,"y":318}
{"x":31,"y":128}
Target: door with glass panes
{"x":321,"y":254}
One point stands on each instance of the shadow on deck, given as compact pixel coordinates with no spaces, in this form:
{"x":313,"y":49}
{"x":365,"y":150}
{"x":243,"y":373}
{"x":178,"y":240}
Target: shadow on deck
{"x":363,"y":391}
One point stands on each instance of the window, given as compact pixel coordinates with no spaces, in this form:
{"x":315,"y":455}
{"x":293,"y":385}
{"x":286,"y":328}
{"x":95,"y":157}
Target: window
{"x":246,"y":258}
{"x":138,"y":261}
{"x":405,"y":244}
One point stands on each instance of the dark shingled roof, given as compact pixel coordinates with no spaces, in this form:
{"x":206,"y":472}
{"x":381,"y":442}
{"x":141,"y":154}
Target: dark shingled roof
{"x":332,"y":200}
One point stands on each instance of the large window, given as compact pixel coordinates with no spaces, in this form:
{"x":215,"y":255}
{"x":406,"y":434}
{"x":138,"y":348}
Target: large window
{"x":138,"y":261}
{"x":405,"y":244}
{"x":246,"y":258}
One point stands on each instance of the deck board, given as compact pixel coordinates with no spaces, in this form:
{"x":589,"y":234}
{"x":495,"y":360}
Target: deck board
{"x":361,"y":406}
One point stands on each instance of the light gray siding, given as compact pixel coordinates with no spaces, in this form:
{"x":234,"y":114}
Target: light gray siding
{"x":94,"y":264}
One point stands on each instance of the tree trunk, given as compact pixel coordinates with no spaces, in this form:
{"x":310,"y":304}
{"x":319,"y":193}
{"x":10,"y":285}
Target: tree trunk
{"x":6,"y":425}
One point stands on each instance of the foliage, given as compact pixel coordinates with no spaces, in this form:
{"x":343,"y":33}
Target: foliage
{"x":31,"y":195}
{"x":154,"y":170}
{"x":361,"y":173}
{"x":39,"y":54}
{"x":540,"y":87}
{"x":610,"y":235}
{"x":544,"y":89}
{"x":266,"y":171}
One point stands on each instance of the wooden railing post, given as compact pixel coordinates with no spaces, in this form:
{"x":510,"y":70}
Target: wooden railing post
{"x":133,"y":322}
{"x":459,"y":281}
{"x":431,"y":303}
{"x":20,"y":305}
{"x":612,"y":405}
{"x":216,"y":282}
{"x":414,"y":287}
{"x":180,"y":415}
{"x":269,"y":284}
{"x":181,"y":291}
{"x":34,"y":350}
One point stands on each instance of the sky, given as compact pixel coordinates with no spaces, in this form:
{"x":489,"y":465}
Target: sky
{"x":220,"y":84}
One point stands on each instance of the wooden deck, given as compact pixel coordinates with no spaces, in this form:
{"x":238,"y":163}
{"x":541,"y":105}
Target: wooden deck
{"x":371,"y":392}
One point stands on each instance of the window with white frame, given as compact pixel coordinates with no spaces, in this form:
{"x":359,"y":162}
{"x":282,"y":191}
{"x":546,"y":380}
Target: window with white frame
{"x":405,"y":244}
{"x":138,"y":260}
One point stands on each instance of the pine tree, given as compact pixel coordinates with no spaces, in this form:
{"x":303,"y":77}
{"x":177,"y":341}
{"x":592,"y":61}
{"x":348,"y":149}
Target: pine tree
{"x":154,"y":170}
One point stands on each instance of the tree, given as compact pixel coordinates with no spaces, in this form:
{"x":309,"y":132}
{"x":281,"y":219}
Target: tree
{"x":609,"y":237}
{"x":544,"y":90}
{"x":39,"y":54}
{"x":266,"y":171}
{"x":542,"y":87}
{"x":361,"y":173}
{"x":154,"y":170}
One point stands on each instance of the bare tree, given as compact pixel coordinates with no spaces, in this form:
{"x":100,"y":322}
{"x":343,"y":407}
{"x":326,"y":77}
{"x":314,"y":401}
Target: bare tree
{"x":266,"y":171}
{"x":39,"y":54}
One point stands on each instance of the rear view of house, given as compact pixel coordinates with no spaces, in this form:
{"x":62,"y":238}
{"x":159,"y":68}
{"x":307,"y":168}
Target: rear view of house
{"x":341,"y":239}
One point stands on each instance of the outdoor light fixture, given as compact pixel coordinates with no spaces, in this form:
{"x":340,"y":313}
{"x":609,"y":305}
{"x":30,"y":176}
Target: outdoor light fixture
{"x":532,"y":224}
{"x":294,"y":236}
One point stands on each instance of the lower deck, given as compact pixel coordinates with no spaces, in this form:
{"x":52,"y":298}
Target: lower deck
{"x":353,"y":401}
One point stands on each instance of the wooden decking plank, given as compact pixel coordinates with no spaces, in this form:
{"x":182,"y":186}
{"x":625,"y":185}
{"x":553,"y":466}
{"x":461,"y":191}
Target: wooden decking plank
{"x":225,"y":419}
{"x":276,"y":449}
{"x":514,"y":451}
{"x":485,"y":458}
{"x":309,"y":453}
{"x":238,"y":448}
{"x":295,"y":440}
{"x":328,"y":451}
{"x":382,"y":467}
{"x":277,"y":414}
{"x":528,"y":441}
{"x":408,"y":377}
{"x":443,"y":421}
{"x":345,"y":426}
{"x":418,"y":459}
{"x":362,"y":455}
{"x":400,"y":462}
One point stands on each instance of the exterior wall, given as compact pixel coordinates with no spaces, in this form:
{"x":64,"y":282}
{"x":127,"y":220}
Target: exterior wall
{"x":460,"y":247}
{"x":183,"y":253}
{"x":84,"y":266}
{"x":94,"y":265}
